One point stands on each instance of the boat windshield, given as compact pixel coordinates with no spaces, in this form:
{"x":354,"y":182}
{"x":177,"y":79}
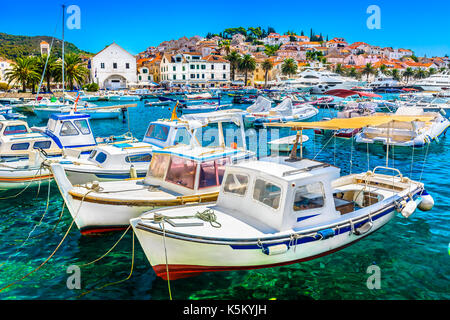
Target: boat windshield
{"x":182,"y":172}
{"x":158,"y":132}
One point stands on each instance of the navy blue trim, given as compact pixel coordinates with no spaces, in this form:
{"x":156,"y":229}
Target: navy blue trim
{"x":306,"y":217}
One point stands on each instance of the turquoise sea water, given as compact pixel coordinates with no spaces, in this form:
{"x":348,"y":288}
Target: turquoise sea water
{"x":413,"y":254}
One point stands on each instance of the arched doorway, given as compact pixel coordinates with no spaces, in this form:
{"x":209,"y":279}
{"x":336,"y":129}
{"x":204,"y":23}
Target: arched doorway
{"x":114,"y":82}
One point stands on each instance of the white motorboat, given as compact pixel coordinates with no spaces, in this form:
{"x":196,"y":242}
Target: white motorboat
{"x":428,"y":128}
{"x":63,"y":131}
{"x":283,"y":112}
{"x":435,"y":82}
{"x":121,"y":96}
{"x":286,"y":144}
{"x":274,"y":212}
{"x":176,"y":175}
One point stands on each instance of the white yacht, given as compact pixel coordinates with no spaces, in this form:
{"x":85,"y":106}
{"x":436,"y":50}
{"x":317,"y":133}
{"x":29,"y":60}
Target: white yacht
{"x":322,"y":81}
{"x":436,"y":82}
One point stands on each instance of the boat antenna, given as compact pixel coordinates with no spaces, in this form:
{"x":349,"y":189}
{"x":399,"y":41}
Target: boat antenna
{"x":63,"y":22}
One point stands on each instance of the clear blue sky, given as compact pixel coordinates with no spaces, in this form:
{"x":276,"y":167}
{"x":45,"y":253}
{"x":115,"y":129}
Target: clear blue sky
{"x":422,"y":26}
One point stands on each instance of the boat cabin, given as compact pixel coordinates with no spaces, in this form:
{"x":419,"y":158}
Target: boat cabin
{"x":70,"y":130}
{"x":274,"y":195}
{"x":17,"y":139}
{"x":187,"y":170}
{"x":121,"y":155}
{"x":165,"y":133}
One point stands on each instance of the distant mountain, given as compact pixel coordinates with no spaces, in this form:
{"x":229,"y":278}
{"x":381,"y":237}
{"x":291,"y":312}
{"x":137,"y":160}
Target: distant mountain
{"x":12,"y":46}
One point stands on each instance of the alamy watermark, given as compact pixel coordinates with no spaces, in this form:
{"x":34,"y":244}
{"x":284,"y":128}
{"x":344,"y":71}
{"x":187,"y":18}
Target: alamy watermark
{"x":73,"y":20}
{"x":74,"y":280}
{"x":374,"y":280}
{"x":374,"y":20}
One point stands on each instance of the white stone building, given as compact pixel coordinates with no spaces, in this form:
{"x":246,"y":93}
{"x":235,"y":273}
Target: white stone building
{"x":113,"y":68}
{"x":4,"y":66}
{"x":193,"y":69}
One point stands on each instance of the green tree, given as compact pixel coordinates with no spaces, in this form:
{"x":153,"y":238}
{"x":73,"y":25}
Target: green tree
{"x":234,"y":58}
{"x":339,"y":69}
{"x":50,"y":70}
{"x":408,"y":73}
{"x":368,"y":70}
{"x":420,"y":74}
{"x":226,"y":44}
{"x":271,"y":50}
{"x":396,"y":74}
{"x":74,"y":69}
{"x":266,"y":66}
{"x":24,"y":71}
{"x":289,"y":67}
{"x":246,"y":65}
{"x":432,"y":71}
{"x":353,"y":73}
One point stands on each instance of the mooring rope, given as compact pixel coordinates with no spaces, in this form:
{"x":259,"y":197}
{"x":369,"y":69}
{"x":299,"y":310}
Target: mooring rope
{"x":207,"y":215}
{"x":116,"y":282}
{"x":26,"y":187}
{"x":54,"y":251}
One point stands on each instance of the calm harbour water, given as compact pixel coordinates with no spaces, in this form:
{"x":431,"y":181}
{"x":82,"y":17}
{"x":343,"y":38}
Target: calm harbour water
{"x":413,"y":254}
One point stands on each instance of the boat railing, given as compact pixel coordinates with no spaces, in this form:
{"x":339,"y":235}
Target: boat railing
{"x":388,"y":168}
{"x":307,"y":169}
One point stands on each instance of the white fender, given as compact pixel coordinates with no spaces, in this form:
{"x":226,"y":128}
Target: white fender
{"x":427,"y":203}
{"x":409,"y":209}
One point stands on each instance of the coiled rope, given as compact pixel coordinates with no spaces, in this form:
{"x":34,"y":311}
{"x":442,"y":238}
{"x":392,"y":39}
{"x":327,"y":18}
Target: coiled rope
{"x":207,"y":215}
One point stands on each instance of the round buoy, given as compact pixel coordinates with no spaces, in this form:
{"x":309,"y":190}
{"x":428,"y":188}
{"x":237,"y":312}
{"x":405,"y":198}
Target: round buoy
{"x":427,"y":202}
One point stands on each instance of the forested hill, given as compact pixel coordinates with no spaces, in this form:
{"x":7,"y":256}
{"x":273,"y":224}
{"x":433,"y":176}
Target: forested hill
{"x":12,"y":46}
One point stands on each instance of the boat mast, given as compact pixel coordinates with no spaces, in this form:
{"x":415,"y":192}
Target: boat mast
{"x":63,"y":22}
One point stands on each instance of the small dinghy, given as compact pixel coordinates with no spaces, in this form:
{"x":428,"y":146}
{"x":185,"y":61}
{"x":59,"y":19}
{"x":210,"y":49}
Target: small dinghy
{"x":427,"y":129}
{"x":274,"y":212}
{"x":284,"y":112}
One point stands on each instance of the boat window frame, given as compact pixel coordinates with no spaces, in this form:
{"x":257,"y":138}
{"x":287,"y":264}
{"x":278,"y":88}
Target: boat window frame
{"x":234,"y":193}
{"x":15,"y":125}
{"x":79,"y":129}
{"x":324,"y":196}
{"x":273,"y":183}
{"x":156,"y":158}
{"x":20,"y":143}
{"x":216,"y":170}
{"x":194,"y":176}
{"x":154,"y":125}
{"x":48,"y":141}
{"x":68,"y":135}
{"x":144,"y":154}
{"x":99,"y":154}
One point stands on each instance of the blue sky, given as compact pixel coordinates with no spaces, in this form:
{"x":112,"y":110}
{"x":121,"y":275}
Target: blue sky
{"x":418,"y":25}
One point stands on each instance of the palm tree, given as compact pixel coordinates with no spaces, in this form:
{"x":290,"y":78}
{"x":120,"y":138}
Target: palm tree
{"x":247,"y":64}
{"x":24,"y":71}
{"x":289,"y":67}
{"x":75,"y":70}
{"x":339,"y":69}
{"x":50,"y":70}
{"x":234,"y":59}
{"x":408,"y":73}
{"x":432,"y":71}
{"x":420,"y":74}
{"x":353,"y":73}
{"x":368,"y":70}
{"x":226,"y":45}
{"x":266,"y":66}
{"x":384,"y":70}
{"x":396,"y":74}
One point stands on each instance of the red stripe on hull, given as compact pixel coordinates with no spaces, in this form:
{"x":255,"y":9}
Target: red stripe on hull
{"x":101,"y":230}
{"x":179,"y":271}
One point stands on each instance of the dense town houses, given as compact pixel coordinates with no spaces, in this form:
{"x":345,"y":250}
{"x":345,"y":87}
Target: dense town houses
{"x":194,"y":69}
{"x":5,"y":65}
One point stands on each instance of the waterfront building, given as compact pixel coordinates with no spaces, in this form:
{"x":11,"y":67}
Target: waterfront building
{"x":190,"y":68}
{"x":113,"y":68}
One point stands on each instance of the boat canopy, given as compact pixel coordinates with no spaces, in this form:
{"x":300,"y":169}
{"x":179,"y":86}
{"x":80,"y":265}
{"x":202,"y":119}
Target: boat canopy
{"x":203,"y":119}
{"x":344,"y":93}
{"x":351,"y":123}
{"x":284,"y":108}
{"x":261,"y":105}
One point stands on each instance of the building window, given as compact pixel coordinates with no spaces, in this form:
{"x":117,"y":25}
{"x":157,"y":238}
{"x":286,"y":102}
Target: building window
{"x":174,"y":68}
{"x":192,"y":76}
{"x":198,"y":76}
{"x":212,"y":76}
{"x":192,"y":67}
{"x":198,"y":66}
{"x":174,"y":77}
{"x":102,"y":65}
{"x":212,"y":67}
{"x":140,"y":78}
{"x":203,"y":76}
{"x":148,"y":77}
{"x":184,"y":77}
{"x":224,"y":67}
{"x":224,"y":76}
{"x":114,"y":65}
{"x":127,"y":65}
{"x":144,"y":70}
{"x":184,"y":68}
{"x":203,"y":67}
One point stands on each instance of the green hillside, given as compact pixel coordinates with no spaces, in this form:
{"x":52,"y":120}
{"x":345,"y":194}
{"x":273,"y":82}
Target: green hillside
{"x":12,"y":46}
